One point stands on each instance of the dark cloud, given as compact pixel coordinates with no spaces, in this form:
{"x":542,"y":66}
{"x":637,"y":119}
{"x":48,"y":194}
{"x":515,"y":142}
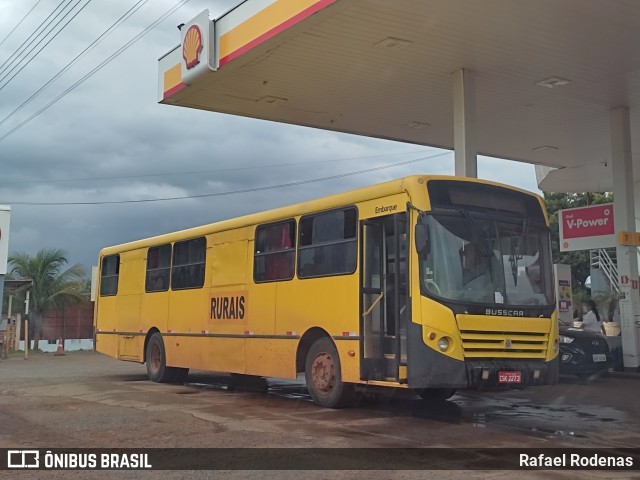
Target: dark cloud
{"x":112,"y":126}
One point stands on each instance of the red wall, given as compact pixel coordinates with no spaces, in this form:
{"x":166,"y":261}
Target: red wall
{"x":78,"y":323}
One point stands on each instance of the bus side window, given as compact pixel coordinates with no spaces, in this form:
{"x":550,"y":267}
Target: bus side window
{"x":328,"y":244}
{"x":188,"y":264}
{"x":274,"y":254}
{"x":158,"y":268}
{"x":109,"y":275}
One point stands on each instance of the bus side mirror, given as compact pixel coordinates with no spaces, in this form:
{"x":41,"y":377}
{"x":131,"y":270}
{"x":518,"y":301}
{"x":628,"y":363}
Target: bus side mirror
{"x":423,"y":241}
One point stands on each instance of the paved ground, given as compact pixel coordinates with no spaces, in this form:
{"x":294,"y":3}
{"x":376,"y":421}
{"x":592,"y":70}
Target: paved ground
{"x":87,"y":400}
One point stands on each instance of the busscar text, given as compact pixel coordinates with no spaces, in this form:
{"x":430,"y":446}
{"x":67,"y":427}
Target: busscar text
{"x":504,"y":313}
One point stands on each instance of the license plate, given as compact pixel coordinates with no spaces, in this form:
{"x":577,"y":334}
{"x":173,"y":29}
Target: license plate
{"x":509,"y":377}
{"x":599,"y":357}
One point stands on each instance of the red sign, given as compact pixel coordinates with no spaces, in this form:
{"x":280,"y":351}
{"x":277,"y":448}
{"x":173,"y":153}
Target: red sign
{"x":634,"y":284}
{"x":587,"y":221}
{"x":624,"y":279}
{"x":509,"y":377}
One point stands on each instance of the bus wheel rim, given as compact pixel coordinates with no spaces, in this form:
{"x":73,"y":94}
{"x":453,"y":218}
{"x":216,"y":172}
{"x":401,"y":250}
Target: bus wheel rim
{"x":155,"y":357}
{"x":323,"y":373}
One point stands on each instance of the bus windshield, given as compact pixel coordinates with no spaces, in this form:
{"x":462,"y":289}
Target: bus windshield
{"x":477,"y":258}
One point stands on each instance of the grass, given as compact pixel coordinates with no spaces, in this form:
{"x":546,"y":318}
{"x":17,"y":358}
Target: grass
{"x":20,"y":353}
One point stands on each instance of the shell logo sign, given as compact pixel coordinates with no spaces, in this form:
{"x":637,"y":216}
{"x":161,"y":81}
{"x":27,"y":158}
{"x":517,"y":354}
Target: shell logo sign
{"x":196,"y":48}
{"x":192,"y":46}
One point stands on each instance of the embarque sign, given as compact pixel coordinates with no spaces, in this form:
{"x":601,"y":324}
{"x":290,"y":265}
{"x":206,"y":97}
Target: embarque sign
{"x":587,"y":228}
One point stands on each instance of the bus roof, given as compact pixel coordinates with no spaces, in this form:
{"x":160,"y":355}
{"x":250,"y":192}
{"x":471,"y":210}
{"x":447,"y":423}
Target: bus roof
{"x":350,"y":197}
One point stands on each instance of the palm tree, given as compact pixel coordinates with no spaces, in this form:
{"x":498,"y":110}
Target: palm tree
{"x":54,"y":287}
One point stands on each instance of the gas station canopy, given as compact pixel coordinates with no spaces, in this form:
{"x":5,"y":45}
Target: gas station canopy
{"x":547,"y":73}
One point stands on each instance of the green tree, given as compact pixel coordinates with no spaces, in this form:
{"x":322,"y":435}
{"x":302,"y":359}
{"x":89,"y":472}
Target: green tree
{"x":579,"y":260}
{"x":55,"y":285}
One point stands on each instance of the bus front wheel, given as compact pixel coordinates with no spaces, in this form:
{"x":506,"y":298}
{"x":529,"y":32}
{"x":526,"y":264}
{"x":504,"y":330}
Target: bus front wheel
{"x":324,"y":378}
{"x":156,"y":359}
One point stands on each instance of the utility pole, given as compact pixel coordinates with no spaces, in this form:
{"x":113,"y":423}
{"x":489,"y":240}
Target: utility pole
{"x":5,"y":215}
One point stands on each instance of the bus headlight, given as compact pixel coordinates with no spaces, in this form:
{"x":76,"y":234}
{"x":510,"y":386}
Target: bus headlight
{"x":443,"y":344}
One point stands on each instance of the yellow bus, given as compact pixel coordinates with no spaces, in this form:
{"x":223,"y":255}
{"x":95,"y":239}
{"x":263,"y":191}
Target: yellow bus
{"x":431,"y":283}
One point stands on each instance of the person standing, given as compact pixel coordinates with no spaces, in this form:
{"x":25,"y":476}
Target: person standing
{"x":591,"y":318}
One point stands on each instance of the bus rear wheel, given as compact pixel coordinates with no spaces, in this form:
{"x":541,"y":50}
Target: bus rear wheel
{"x":324,"y":378}
{"x":436,"y":394}
{"x":156,"y":359}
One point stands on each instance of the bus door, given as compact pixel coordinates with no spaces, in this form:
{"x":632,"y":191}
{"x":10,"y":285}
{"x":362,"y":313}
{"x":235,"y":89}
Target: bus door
{"x":384,"y":298}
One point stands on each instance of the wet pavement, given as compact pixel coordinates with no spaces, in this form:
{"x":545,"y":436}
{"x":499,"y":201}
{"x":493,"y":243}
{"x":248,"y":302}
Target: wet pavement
{"x":88,"y":400}
{"x":560,"y":418}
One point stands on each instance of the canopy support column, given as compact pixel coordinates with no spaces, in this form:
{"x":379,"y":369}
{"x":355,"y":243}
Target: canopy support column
{"x":624,"y":219}
{"x":1,"y":293}
{"x":464,"y":124}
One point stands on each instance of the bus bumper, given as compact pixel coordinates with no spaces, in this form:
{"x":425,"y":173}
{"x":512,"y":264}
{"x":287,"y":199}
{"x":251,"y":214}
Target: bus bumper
{"x":485,"y":373}
{"x":430,"y":369}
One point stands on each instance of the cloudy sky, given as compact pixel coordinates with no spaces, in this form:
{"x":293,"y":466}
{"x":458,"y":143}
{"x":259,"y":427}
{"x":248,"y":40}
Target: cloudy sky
{"x":109,"y":140}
